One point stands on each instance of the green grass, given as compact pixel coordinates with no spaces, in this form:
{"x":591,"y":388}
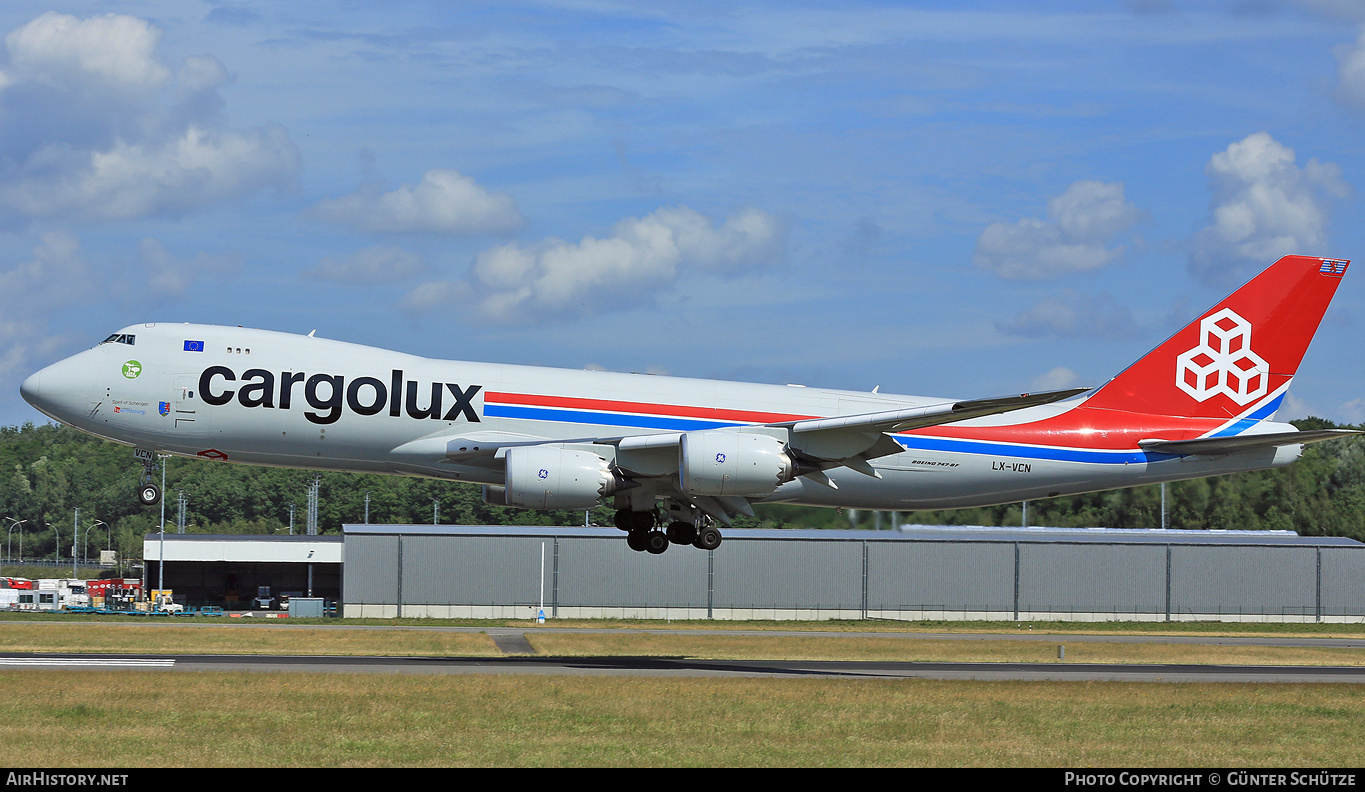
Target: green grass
{"x":146,"y":719}
{"x":134,"y":719}
{"x":76,"y":633}
{"x":834,"y":641}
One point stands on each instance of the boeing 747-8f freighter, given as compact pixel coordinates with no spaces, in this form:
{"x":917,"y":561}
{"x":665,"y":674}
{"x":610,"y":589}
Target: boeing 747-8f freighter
{"x":681,"y":457}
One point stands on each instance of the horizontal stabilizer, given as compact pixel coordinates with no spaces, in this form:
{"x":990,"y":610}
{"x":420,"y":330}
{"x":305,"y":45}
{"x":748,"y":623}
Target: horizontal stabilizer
{"x":1219,"y":446}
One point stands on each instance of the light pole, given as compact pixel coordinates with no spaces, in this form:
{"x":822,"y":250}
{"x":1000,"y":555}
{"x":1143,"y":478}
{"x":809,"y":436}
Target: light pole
{"x":10,"y":537}
{"x":57,"y":534}
{"x":85,"y":546}
{"x":161,"y":561}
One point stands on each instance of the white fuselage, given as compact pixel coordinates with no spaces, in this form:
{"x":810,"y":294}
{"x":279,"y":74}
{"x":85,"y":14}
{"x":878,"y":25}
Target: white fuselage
{"x":269,"y":398}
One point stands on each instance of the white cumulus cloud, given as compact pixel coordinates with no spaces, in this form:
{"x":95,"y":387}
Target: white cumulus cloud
{"x":109,"y":51}
{"x":512,"y":283}
{"x":1057,"y":379}
{"x":1353,"y":411}
{"x":129,"y":180}
{"x":1264,"y":206}
{"x":444,"y":202}
{"x":1075,"y":238}
{"x":95,"y":126}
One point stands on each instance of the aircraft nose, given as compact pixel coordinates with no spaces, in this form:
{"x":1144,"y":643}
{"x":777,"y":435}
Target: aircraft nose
{"x":54,"y":391}
{"x":32,"y":390}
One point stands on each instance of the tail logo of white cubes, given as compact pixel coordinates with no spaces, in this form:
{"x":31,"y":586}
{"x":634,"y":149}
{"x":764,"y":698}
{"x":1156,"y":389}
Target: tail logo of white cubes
{"x":1223,"y":362}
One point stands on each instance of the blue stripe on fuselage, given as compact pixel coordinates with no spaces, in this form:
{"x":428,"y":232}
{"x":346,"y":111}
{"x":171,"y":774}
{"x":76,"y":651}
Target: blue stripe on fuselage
{"x":950,"y":445}
{"x":602,"y":419}
{"x":909,"y":442}
{"x":1242,"y":424}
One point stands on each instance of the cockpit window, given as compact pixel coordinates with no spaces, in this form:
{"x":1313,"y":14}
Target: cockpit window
{"x":121,"y":338}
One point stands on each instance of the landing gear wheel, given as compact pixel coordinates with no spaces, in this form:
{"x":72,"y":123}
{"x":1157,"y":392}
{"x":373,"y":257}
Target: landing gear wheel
{"x":682,"y":533}
{"x":656,"y":542}
{"x":628,"y":520}
{"x":708,"y":538}
{"x":149,"y":494}
{"x":635,"y":540}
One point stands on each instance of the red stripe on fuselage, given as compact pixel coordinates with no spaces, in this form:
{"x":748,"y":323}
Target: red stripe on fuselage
{"x":1081,"y":427}
{"x":1084,"y":427}
{"x":642,"y":408}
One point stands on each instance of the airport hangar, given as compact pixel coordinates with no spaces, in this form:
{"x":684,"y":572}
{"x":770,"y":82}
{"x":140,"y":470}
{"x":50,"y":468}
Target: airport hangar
{"x":917,"y":573}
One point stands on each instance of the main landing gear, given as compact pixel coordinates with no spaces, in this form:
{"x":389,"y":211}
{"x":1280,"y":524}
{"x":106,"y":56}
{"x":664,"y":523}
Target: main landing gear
{"x":643,"y":536}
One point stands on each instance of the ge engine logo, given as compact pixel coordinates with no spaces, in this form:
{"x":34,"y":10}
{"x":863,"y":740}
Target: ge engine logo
{"x":1223,"y":362}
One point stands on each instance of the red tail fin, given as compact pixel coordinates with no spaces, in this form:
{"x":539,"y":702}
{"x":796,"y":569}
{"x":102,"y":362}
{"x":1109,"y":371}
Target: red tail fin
{"x":1238,"y":357}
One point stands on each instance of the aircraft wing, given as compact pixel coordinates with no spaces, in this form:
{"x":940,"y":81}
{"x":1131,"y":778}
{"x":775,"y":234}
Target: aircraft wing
{"x":933,"y":415}
{"x":830,"y":440}
{"x":814,"y":445}
{"x":851,"y":440}
{"x":1221,"y":446}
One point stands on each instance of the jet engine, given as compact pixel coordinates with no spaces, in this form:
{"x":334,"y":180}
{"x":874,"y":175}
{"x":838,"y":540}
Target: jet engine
{"x":547,"y":477}
{"x":732,"y":464}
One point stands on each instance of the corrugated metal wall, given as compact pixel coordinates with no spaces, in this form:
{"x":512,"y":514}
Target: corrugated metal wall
{"x":1343,"y":584}
{"x":789,"y":575}
{"x":805,"y":577}
{"x":1237,"y":580}
{"x":605,"y":573}
{"x":1092,"y":578}
{"x":371,"y":575}
{"x":943,"y":576}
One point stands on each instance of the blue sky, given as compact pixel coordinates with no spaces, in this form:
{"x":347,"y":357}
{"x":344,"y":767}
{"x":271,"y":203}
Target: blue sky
{"x":956,"y":199}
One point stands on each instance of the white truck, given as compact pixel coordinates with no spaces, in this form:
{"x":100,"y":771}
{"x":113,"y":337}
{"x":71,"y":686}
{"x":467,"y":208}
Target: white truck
{"x":163,"y":603}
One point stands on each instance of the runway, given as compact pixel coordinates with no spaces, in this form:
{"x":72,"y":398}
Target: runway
{"x":687,"y":667}
{"x":1040,"y":637}
{"x":519,"y":658}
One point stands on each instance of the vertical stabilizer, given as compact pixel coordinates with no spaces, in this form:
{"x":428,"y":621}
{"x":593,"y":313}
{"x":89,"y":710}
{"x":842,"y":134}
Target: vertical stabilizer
{"x":1237,"y":359}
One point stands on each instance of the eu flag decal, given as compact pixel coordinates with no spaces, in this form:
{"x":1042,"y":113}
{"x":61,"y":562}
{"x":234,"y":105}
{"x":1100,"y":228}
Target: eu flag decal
{"x":194,"y":346}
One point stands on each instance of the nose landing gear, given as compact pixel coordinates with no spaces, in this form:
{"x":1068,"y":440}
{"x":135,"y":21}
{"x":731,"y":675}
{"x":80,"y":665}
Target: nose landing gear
{"x":148,"y":493}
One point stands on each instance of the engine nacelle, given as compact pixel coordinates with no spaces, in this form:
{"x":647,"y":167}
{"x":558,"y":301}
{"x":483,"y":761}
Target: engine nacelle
{"x":545,"y":477}
{"x":732,"y":464}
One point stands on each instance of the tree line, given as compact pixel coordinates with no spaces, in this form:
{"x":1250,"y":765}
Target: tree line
{"x":48,"y":471}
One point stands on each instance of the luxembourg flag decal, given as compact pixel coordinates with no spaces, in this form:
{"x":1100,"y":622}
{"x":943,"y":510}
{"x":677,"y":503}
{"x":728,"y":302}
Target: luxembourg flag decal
{"x":1334,"y":267}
